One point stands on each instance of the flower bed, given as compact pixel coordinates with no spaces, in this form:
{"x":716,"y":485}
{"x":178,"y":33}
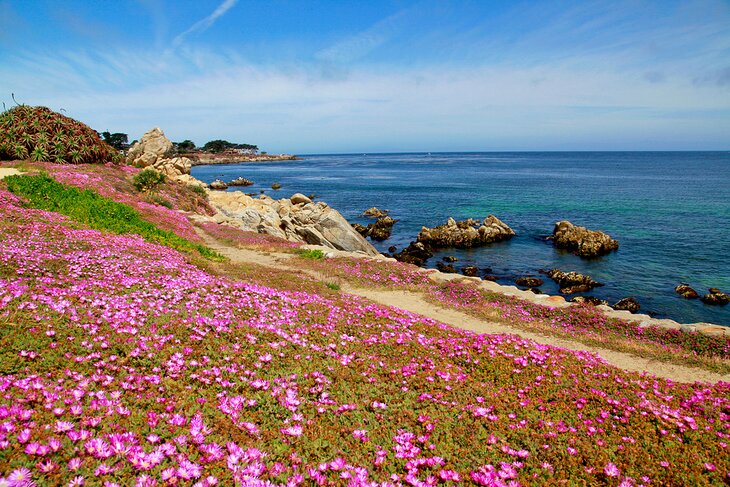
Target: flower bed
{"x":121,"y":364}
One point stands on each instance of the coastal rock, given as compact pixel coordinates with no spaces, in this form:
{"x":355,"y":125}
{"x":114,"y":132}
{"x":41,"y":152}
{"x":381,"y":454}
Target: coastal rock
{"x":416,"y":253}
{"x":466,"y":233}
{"x":715,"y":297}
{"x":380,"y":230}
{"x":275,"y":186}
{"x":241,"y":182}
{"x":581,"y":241}
{"x":470,"y":271}
{"x":445,"y":268}
{"x":299,"y":199}
{"x":218,"y":185}
{"x":449,"y":258}
{"x":375,"y":212}
{"x":311,"y":223}
{"x":572,"y":282}
{"x":154,"y":150}
{"x":627,"y":304}
{"x":529,"y":282}
{"x":592,"y":300}
{"x":686,"y":292}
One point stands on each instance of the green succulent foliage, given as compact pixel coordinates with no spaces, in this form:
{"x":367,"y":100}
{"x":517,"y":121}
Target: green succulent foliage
{"x":41,"y":134}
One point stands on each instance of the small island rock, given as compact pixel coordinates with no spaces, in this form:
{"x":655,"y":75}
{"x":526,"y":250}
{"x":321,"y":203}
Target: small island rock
{"x":375,"y":212}
{"x":572,"y":282}
{"x":466,"y":233}
{"x":218,"y":185}
{"x":581,"y":241}
{"x":416,"y":253}
{"x":529,"y":282}
{"x":241,"y":182}
{"x":715,"y":297}
{"x":686,"y":292}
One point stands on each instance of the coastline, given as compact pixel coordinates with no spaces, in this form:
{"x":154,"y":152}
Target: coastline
{"x":213,"y":159}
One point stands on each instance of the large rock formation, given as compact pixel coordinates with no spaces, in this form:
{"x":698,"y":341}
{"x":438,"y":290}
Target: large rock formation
{"x":466,"y":233}
{"x":297,"y":219}
{"x":572,"y":282}
{"x":581,"y":241}
{"x":155,"y":150}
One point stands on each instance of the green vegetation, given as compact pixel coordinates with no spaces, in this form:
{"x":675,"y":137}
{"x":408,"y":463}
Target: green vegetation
{"x":218,"y":145}
{"x":314,"y":254}
{"x":148,"y":179}
{"x":40,"y":134}
{"x":88,"y":207}
{"x":117,"y":140}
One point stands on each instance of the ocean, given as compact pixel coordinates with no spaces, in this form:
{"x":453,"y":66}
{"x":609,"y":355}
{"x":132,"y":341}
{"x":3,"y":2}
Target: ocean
{"x":670,"y":212}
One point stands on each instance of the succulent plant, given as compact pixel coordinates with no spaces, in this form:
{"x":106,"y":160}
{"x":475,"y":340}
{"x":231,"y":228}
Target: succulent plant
{"x":40,"y":134}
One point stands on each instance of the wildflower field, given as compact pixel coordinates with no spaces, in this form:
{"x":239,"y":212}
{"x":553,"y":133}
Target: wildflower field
{"x":123,"y":363}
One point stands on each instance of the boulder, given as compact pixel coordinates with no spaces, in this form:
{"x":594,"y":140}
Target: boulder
{"x":241,"y":182}
{"x":375,"y":212}
{"x":470,"y":271}
{"x":299,"y":198}
{"x":715,"y":297}
{"x":218,"y":185}
{"x":466,"y":233}
{"x":445,"y":268}
{"x":380,"y":230}
{"x":592,"y":300}
{"x":581,"y":241}
{"x":311,"y":223}
{"x":275,"y":186}
{"x":155,"y":150}
{"x":416,"y":253}
{"x":686,"y":292}
{"x":572,"y":282}
{"x":627,"y":304}
{"x":529,"y":282}
{"x":449,"y":258}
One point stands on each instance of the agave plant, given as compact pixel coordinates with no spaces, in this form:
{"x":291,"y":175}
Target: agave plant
{"x":41,"y":134}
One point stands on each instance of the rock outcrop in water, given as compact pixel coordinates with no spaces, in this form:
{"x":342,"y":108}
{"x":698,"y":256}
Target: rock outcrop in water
{"x":380,"y":230}
{"x":627,"y":304}
{"x":465,"y":234}
{"x":297,"y":219}
{"x":375,"y":212}
{"x":715,"y":297}
{"x":416,"y":253}
{"x":572,"y":282}
{"x":686,"y":292}
{"x":581,"y":241}
{"x":529,"y":282}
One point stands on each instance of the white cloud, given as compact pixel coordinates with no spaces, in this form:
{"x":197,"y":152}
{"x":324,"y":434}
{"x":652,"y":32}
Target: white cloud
{"x":204,"y":24}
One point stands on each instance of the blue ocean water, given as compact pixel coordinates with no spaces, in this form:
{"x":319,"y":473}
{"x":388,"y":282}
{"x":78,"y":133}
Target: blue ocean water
{"x":670,"y":211}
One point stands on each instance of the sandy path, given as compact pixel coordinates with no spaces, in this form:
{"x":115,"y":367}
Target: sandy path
{"x":8,"y":171}
{"x":415,"y":303}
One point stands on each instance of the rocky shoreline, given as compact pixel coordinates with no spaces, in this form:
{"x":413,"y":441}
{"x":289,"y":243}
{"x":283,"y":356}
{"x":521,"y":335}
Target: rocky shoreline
{"x":211,"y":159}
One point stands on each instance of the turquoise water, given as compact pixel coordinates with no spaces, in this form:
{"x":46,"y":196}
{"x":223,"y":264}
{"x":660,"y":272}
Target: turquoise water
{"x":670,"y":211}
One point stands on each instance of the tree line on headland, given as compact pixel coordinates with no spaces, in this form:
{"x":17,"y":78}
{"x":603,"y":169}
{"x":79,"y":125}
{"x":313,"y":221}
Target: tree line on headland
{"x":120,"y":141}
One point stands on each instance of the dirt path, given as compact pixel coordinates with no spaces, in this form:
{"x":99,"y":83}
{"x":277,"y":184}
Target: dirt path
{"x":415,"y":303}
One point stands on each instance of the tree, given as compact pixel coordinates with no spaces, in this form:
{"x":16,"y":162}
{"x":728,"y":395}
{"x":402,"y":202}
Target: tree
{"x":185,"y":146}
{"x":217,"y":145}
{"x":117,"y":140}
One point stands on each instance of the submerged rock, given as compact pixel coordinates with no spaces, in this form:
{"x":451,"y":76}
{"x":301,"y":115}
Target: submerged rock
{"x":449,"y":258}
{"x":470,"y":271}
{"x":715,"y":297}
{"x":572,"y":282}
{"x":445,"y":268}
{"x":686,"y":292}
{"x":466,"y":233}
{"x":581,"y":241}
{"x":627,"y":304}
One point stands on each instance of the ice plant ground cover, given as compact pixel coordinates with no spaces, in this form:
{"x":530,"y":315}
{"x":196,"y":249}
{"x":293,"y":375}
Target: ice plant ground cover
{"x":121,"y":363}
{"x":581,"y":323}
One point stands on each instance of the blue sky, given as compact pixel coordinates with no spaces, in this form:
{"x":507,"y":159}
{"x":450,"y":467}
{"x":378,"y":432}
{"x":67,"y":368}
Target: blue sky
{"x":380,"y":75}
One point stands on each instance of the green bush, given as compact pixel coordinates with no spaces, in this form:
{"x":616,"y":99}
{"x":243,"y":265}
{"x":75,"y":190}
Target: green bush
{"x":148,"y":179}
{"x":40,"y":134}
{"x":314,"y":254}
{"x":198,"y":189}
{"x":159,"y":200}
{"x":96,"y":211}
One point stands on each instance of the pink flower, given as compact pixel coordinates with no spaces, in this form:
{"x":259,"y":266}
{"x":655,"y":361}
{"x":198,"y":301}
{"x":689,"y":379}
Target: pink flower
{"x":611,"y":470}
{"x":295,"y":430}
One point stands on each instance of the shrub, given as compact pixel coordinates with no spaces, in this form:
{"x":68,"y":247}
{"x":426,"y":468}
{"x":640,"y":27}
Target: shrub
{"x":159,"y":200}
{"x":41,"y":134}
{"x":199,"y":190}
{"x":148,"y":179}
{"x":314,"y":254}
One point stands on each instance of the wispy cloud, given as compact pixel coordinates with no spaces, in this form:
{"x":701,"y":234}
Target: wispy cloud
{"x":204,"y":24}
